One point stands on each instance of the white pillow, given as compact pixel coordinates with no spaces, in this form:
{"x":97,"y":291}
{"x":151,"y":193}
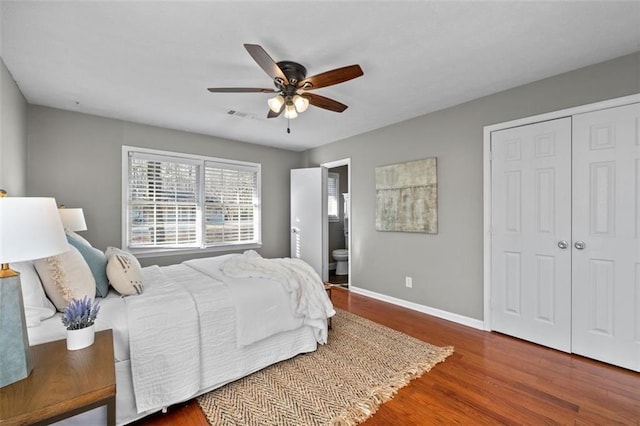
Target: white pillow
{"x":66,"y":276}
{"x":124,"y":272}
{"x":111,"y":251}
{"x":36,"y":305}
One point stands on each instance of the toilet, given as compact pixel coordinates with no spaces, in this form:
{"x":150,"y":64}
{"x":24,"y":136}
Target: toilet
{"x":341,"y":256}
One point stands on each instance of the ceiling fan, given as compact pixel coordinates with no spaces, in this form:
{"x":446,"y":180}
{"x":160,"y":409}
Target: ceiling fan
{"x":292,"y":86}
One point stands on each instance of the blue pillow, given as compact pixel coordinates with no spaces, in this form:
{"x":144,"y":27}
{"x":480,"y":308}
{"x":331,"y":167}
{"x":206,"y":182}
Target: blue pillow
{"x":97,"y":262}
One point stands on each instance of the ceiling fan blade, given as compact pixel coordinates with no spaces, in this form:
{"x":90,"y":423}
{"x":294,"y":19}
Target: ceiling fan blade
{"x":324,"y":102}
{"x":272,"y":114}
{"x":266,"y":63}
{"x":329,"y":78}
{"x":239,"y":90}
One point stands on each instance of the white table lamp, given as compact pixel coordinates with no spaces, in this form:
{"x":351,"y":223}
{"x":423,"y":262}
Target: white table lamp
{"x":30,"y":228}
{"x":72,"y":219}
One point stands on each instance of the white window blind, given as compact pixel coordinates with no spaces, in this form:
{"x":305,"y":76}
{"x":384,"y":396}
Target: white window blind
{"x":333,"y":187}
{"x":176,"y":201}
{"x":230,"y":204}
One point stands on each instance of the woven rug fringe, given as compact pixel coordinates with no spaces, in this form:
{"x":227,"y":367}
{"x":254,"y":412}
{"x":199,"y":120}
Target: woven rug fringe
{"x":367,"y":407}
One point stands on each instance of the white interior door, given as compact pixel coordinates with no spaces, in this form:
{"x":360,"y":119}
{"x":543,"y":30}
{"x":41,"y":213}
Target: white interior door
{"x":531,"y":232}
{"x":309,"y":222}
{"x":606,"y":224}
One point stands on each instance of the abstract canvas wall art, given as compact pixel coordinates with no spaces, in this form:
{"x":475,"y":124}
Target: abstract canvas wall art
{"x":407,"y":197}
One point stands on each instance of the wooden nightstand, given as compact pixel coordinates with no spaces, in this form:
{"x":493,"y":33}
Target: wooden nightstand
{"x":328,"y":288}
{"x":62,"y":384}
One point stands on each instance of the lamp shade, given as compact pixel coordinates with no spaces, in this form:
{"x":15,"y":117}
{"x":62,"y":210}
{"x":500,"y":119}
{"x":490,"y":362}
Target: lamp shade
{"x":290,"y":111}
{"x":30,"y":228}
{"x":301,"y":103}
{"x":72,"y":219}
{"x":275,"y":103}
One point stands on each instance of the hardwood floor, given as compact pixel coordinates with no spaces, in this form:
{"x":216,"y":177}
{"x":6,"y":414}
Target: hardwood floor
{"x":490,"y":379}
{"x":342,"y":280}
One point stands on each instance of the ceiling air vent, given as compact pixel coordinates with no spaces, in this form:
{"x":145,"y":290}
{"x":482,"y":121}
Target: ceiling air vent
{"x":239,"y":114}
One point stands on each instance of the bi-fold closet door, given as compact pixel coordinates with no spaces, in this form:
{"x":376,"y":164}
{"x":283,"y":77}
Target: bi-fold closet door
{"x":565,"y":225}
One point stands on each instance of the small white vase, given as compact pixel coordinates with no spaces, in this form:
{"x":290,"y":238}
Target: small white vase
{"x":79,"y":339}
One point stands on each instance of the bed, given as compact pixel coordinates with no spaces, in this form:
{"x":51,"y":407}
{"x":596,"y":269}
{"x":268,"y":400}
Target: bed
{"x":229,"y":316}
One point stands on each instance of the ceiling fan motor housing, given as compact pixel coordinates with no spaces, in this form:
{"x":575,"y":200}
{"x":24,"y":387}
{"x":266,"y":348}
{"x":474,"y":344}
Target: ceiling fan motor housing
{"x":294,"y":72}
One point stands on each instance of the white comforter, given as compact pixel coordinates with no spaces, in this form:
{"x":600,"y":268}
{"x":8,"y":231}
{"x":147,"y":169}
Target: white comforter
{"x":257,"y":285}
{"x":172,"y":327}
{"x":307,"y":295}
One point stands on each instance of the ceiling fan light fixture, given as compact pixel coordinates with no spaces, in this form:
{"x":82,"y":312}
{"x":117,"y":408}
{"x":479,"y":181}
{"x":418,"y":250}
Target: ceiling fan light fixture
{"x":276,"y":103}
{"x":290,"y":111}
{"x":301,"y":103}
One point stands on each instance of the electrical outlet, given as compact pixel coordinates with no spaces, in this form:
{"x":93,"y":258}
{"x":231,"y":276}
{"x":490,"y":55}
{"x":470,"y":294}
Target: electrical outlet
{"x":408,"y":282}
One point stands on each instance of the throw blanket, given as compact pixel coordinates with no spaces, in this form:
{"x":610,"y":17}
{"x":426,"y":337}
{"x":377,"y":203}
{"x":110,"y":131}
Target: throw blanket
{"x":164,"y":313}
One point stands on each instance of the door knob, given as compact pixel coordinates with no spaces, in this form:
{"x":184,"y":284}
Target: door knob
{"x":563,"y":244}
{"x":580,"y":245}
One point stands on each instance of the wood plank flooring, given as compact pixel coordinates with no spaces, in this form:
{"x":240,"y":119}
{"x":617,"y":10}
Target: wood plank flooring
{"x":490,"y":379}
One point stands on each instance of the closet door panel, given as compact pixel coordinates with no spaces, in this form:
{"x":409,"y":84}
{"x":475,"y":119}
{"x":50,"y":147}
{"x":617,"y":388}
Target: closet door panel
{"x":606,"y":228}
{"x":531,"y":215}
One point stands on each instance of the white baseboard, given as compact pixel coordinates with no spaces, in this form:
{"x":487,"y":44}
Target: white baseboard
{"x":449,"y":316}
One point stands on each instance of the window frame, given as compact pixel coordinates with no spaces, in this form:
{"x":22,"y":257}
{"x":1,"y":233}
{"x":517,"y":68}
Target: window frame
{"x":336,"y":177}
{"x":202,"y":161}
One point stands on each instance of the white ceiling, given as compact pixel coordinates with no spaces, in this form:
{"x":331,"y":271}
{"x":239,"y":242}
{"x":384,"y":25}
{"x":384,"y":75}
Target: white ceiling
{"x":151,"y":62}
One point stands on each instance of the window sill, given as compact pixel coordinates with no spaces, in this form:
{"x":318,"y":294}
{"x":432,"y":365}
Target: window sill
{"x":154,"y":252}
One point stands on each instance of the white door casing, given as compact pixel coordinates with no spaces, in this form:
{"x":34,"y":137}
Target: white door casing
{"x":531,"y":232}
{"x":309,"y":223}
{"x":606,"y":219}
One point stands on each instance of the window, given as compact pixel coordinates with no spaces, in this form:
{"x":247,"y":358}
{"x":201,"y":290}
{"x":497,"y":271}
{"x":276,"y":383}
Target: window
{"x":333,"y":187}
{"x":187,"y":202}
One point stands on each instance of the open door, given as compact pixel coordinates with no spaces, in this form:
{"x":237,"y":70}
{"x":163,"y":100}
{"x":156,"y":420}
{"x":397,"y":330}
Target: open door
{"x":309,"y":223}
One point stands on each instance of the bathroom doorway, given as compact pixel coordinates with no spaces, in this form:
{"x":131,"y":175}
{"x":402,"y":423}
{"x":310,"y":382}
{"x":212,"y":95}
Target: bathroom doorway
{"x":339,"y":226}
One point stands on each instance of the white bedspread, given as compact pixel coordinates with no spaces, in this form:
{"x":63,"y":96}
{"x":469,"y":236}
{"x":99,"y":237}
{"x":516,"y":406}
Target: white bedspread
{"x":175,"y":326}
{"x":261,"y":306}
{"x":163,"y":334}
{"x":254,"y":281}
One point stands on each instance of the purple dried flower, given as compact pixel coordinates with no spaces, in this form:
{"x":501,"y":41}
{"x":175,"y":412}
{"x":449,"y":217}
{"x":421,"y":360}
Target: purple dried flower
{"x":80,"y":313}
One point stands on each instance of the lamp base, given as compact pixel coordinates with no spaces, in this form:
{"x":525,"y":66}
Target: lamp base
{"x":15,"y":357}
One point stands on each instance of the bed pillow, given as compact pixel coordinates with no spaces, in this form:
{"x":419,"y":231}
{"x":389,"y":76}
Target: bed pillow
{"x":124,"y":272}
{"x":97,"y":262}
{"x":111,"y":251}
{"x":36,"y":305}
{"x":66,"y":276}
{"x":77,"y":237}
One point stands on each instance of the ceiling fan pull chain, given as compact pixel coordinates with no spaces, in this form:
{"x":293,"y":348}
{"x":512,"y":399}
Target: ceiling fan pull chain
{"x":288,"y":122}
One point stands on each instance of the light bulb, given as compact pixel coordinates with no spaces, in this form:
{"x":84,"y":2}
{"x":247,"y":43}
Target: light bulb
{"x":290,"y":111}
{"x":301,"y":103}
{"x":275,"y":103}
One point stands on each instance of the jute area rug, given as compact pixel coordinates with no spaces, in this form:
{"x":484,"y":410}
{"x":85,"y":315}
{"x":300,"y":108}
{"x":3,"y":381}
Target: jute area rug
{"x":342,"y":383}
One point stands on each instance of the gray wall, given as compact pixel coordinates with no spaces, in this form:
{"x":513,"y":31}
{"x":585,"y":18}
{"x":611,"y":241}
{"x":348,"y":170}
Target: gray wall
{"x":77,"y":159}
{"x":447,"y":268}
{"x":13,"y":135}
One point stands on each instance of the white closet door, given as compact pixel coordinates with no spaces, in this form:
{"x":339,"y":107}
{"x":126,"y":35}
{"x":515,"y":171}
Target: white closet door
{"x":606,"y":220}
{"x":531,"y":222}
